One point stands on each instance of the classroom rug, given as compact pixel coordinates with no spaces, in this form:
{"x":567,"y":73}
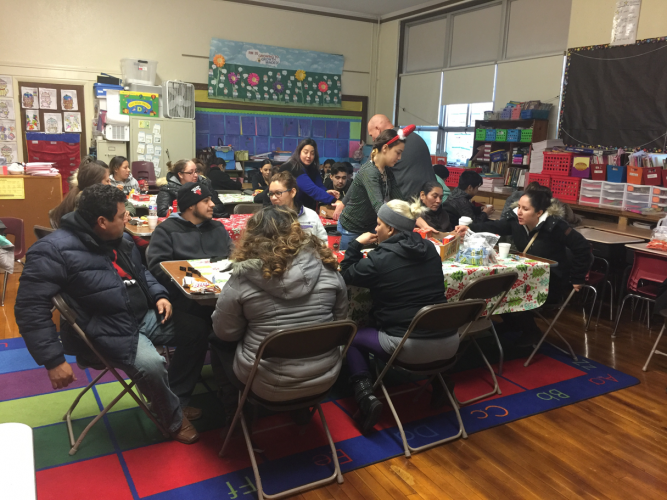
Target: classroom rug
{"x":125,"y":457}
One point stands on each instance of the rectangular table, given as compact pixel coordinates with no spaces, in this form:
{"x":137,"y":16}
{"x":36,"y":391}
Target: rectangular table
{"x":642,"y":247}
{"x":144,"y":231}
{"x":173,"y":270}
{"x":606,"y":237}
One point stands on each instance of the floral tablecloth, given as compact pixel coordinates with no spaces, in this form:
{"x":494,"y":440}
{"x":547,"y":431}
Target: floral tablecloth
{"x":529,"y":291}
{"x":237,"y":222}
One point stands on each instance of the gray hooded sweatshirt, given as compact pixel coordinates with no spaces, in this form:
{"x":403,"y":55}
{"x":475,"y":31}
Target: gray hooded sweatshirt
{"x":251,"y":307}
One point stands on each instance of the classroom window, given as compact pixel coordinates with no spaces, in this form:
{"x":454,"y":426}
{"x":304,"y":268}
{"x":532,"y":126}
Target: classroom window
{"x":430,"y":136}
{"x":458,"y":131}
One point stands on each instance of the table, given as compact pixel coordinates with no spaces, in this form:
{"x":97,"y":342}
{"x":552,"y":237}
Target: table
{"x":144,"y":231}
{"x":642,"y":247}
{"x":606,"y":237}
{"x":233,"y":199}
{"x":173,"y":270}
{"x":529,"y":292}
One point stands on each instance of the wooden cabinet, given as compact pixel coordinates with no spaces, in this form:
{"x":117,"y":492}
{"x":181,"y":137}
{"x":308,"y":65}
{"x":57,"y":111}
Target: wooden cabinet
{"x":41,"y":195}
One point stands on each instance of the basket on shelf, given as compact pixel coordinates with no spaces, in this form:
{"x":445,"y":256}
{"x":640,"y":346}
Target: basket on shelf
{"x":526,"y":135}
{"x":541,"y":179}
{"x":516,"y":113}
{"x":558,"y":164}
{"x":455,"y":173}
{"x":480,"y":134}
{"x":513,"y":135}
{"x":501,"y":135}
{"x":565,"y":188}
{"x":490,"y":134}
{"x":535,"y":114}
{"x":506,"y":114}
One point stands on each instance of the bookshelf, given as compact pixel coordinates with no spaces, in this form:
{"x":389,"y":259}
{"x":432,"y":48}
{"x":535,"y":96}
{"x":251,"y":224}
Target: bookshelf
{"x":540,"y":128}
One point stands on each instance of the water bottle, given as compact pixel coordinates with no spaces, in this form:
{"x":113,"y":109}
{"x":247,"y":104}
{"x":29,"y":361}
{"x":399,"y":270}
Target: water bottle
{"x":152,"y":209}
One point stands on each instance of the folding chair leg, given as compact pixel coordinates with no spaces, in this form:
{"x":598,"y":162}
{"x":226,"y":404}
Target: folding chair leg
{"x":232,"y":426}
{"x":406,"y":447}
{"x":423,"y":388}
{"x":68,"y":416}
{"x":500,"y":348}
{"x":251,"y":452}
{"x":618,"y":315}
{"x":655,"y":349}
{"x":611,"y":301}
{"x":496,"y":387}
{"x":544,"y":336}
{"x":4,"y":288}
{"x":590,"y":314}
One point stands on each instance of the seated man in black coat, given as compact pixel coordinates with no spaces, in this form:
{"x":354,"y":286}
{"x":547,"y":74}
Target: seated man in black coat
{"x":338,"y":179}
{"x":118,"y":303}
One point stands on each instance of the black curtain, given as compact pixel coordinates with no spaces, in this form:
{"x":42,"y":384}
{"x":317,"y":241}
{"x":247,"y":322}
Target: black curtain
{"x":616,"y":97}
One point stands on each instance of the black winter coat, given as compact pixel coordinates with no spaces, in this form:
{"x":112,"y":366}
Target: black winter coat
{"x":404,"y":274}
{"x":458,"y":204}
{"x":222,"y":180}
{"x":72,"y":261}
{"x":554,"y":240}
{"x":169,"y":192}
{"x":438,"y":219}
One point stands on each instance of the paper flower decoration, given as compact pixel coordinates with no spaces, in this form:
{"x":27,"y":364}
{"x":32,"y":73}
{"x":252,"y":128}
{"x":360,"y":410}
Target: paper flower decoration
{"x":233,"y":78}
{"x":322,"y":86}
{"x":219,"y":60}
{"x":253,"y":79}
{"x":300,"y":75}
{"x":278,"y":87}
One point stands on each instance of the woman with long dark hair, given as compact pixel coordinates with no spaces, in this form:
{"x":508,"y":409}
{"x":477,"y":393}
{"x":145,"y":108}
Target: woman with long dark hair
{"x":304,"y":166}
{"x":120,"y":175}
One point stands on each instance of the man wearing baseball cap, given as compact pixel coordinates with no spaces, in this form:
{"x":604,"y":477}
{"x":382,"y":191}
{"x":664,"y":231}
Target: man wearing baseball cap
{"x":188,"y":234}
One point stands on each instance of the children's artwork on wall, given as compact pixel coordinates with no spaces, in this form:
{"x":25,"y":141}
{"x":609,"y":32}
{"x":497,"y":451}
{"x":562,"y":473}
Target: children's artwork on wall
{"x":29,"y":98}
{"x":7,"y":130}
{"x":7,"y":109}
{"x":6,"y":86}
{"x":9,"y":151}
{"x":53,"y":123}
{"x":32,"y":120}
{"x":48,"y":98}
{"x":69,"y":100}
{"x":72,"y":122}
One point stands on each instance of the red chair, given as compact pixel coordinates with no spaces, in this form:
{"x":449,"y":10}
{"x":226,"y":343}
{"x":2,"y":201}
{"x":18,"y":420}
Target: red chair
{"x":15,"y":227}
{"x":648,"y":272}
{"x":144,"y":170}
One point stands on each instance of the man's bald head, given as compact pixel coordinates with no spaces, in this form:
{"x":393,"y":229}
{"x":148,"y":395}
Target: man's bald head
{"x":377,"y":125}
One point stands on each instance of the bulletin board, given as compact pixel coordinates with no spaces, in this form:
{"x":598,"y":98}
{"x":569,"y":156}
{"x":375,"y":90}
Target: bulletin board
{"x":49,"y":109}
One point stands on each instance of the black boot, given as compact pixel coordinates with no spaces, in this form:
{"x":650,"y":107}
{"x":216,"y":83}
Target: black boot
{"x":369,"y":406}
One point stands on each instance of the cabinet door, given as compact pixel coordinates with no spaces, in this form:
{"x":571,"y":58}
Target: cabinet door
{"x":106,"y":150}
{"x":178,"y":141}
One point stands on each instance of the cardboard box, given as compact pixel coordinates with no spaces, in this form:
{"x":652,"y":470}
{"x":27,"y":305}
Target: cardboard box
{"x":327,"y":211}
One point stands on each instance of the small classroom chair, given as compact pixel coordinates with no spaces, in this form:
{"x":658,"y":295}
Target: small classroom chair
{"x":16,"y":228}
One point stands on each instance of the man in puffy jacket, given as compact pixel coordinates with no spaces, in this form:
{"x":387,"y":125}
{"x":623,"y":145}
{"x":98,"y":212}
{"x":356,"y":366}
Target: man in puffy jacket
{"x":118,"y":303}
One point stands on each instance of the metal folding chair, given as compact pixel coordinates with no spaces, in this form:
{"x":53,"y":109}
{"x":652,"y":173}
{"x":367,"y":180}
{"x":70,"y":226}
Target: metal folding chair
{"x":662,"y":313}
{"x":99,"y":364}
{"x":247,"y":208}
{"x":297,"y":343}
{"x":452,"y":315}
{"x":485,"y":288}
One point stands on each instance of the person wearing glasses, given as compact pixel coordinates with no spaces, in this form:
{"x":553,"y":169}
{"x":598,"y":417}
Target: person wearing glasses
{"x":182,"y":172}
{"x":283,"y":191}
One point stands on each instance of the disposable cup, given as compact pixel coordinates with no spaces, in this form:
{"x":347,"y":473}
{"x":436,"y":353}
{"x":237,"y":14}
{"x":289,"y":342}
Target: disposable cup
{"x":152,"y":221}
{"x":503,"y":250}
{"x":465,"y":221}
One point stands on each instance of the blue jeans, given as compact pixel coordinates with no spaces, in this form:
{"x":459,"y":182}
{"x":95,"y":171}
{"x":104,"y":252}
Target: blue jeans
{"x":346,"y":236}
{"x":149,"y":369}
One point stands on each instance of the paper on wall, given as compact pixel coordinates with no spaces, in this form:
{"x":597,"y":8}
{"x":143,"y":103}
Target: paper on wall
{"x":69,"y":100}
{"x":53,"y":123}
{"x":626,"y":19}
{"x":48,"y":98}
{"x":141,"y":137}
{"x":7,"y":130}
{"x":144,"y":124}
{"x":158,"y":151}
{"x":9,"y":151}
{"x":141,"y":158}
{"x":7,"y":109}
{"x":149,"y":158}
{"x":157,"y":138}
{"x":141,"y":148}
{"x":149,"y":149}
{"x":72,"y":122}
{"x":32,"y":120}
{"x":6,"y":86}
{"x":157,"y":128}
{"x":149,"y":139}
{"x":29,"y":98}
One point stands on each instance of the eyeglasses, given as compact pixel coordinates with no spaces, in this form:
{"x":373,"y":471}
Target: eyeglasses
{"x":193,"y":172}
{"x":277,"y":194}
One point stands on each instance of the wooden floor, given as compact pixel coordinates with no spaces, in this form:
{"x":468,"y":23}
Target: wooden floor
{"x":613,"y":446}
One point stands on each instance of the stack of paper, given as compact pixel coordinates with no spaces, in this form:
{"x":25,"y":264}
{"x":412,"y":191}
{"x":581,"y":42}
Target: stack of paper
{"x":40,"y":169}
{"x":537,"y":154}
{"x":488,"y":183}
{"x":281,"y":156}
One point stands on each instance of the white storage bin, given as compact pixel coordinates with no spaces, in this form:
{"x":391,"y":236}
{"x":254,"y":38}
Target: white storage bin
{"x":611,"y":203}
{"x":637,"y":197}
{"x":138,"y":71}
{"x":589,"y":184}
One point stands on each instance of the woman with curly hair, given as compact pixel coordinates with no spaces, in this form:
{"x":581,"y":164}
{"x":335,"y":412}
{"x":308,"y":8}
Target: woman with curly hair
{"x":282,"y":277}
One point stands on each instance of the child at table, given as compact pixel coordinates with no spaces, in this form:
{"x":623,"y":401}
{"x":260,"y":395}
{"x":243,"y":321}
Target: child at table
{"x":537,"y":228}
{"x":403,"y":274}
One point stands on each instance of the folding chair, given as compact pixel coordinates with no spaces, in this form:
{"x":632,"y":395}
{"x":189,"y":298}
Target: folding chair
{"x":594,"y":278}
{"x":14,"y":227}
{"x":98,"y":364}
{"x":662,"y":313}
{"x":648,"y":272}
{"x":296,"y":343}
{"x":452,"y":315}
{"x":247,"y":208}
{"x":485,"y":288}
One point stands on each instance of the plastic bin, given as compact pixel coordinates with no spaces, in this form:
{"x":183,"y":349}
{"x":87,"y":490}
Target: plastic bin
{"x":557,"y":164}
{"x":541,"y":179}
{"x":653,"y":176}
{"x":590,"y":192}
{"x":139,"y":71}
{"x":516,"y":113}
{"x":101,"y":88}
{"x":599,"y":172}
{"x":535,"y":114}
{"x":501,"y":134}
{"x":634,"y":189}
{"x":582,"y":174}
{"x":455,"y":173}
{"x":616,"y":173}
{"x":526,"y":135}
{"x":480,"y":134}
{"x":490,"y":134}
{"x":506,"y":114}
{"x":565,"y":188}
{"x":635,"y":175}
{"x":513,"y":135}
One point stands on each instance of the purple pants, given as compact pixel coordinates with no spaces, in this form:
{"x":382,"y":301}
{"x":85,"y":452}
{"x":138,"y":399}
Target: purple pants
{"x":365,"y":342}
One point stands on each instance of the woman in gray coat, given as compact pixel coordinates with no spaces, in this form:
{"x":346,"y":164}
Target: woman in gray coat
{"x":282,"y":277}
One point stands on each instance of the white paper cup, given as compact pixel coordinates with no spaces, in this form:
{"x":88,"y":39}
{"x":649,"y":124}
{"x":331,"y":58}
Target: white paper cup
{"x":503,"y":250}
{"x":489,"y":206}
{"x":465,"y":221}
{"x":152,"y":222}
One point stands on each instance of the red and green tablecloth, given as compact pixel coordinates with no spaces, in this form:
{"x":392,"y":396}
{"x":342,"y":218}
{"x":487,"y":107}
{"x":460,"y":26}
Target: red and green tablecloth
{"x":237,"y":222}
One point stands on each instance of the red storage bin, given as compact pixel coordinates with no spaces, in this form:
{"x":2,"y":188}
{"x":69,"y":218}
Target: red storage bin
{"x":557,"y":164}
{"x":664,"y":177}
{"x":653,"y":176}
{"x":599,"y":172}
{"x":565,"y":188}
{"x":455,"y":172}
{"x":541,"y":179}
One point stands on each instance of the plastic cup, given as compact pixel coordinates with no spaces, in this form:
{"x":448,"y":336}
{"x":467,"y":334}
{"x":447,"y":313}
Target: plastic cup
{"x":503,"y":250}
{"x":334,"y":241}
{"x":489,"y":206}
{"x":465,"y":221}
{"x":152,"y":222}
